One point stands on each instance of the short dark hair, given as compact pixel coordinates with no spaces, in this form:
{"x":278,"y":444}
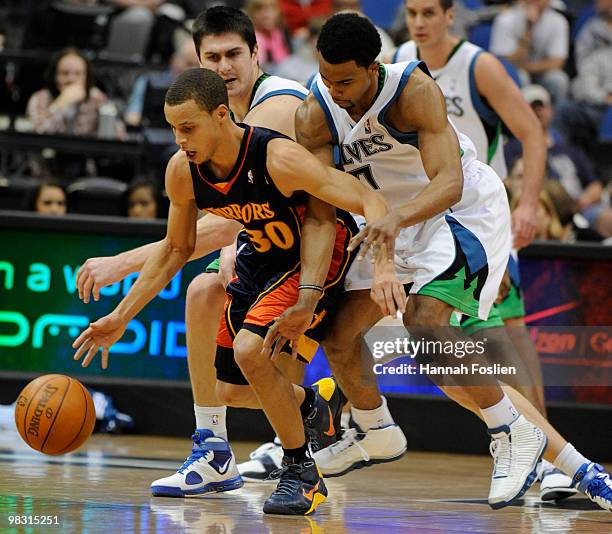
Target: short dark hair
{"x":349,"y":36}
{"x":223,"y":19}
{"x":446,"y":4}
{"x":203,"y":86}
{"x":51,"y":71}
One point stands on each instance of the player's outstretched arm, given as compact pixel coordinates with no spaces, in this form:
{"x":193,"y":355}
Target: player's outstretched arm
{"x":213,"y":233}
{"x":159,"y":268}
{"x":504,"y":96}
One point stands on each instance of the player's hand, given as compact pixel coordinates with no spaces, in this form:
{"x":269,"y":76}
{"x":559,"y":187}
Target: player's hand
{"x":97,"y":273}
{"x":524,"y":224}
{"x":99,"y":335}
{"x":504,"y":287}
{"x":387,"y":291}
{"x":289,"y":326}
{"x":227,"y":264}
{"x":379,"y":235}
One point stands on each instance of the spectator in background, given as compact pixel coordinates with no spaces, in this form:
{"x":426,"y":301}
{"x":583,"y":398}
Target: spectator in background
{"x":566,"y":164}
{"x":579,"y":120}
{"x":355,"y":5}
{"x":142,"y":199}
{"x":535,"y":38}
{"x":272,"y":38}
{"x":184,"y":58}
{"x":297,"y":13}
{"x":303,"y":64}
{"x":69,"y":103}
{"x":49,"y":198}
{"x":595,"y":34}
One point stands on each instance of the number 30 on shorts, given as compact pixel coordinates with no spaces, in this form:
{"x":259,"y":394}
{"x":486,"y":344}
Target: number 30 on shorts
{"x":275,"y":233}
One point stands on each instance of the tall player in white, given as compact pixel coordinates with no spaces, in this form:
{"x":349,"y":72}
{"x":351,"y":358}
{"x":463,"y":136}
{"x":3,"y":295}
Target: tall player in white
{"x":479,"y":95}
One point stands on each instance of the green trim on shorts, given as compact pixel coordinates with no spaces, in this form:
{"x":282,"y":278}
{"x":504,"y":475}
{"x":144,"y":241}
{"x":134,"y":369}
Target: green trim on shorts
{"x":471,"y":325}
{"x":213,"y":266}
{"x":513,"y":305}
{"x":454,"y":292}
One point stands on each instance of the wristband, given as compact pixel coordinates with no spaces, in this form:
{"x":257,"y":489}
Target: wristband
{"x":311,"y":286}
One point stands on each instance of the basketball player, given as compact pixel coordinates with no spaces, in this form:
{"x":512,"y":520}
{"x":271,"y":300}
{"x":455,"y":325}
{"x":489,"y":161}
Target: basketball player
{"x":225,"y":42}
{"x":479,"y":94}
{"x":258,"y":178}
{"x":390,"y":125}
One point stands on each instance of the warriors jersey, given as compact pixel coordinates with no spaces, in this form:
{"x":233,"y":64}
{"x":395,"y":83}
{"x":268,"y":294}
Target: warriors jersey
{"x":248,"y":195}
{"x":469,"y":111}
{"x":373,"y":150}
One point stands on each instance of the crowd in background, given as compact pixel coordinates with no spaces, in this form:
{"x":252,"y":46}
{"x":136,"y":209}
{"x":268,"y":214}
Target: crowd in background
{"x":110,"y":61}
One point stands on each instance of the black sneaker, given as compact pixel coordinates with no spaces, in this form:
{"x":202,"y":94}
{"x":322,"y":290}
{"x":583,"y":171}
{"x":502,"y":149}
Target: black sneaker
{"x":322,"y":424}
{"x":300,"y":489}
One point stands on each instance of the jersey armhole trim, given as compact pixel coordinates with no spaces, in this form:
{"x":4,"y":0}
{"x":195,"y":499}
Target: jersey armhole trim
{"x":330,"y":121}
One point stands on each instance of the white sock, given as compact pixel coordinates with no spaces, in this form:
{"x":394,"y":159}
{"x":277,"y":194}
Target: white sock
{"x":500,"y":414}
{"x":570,"y":460}
{"x":376,"y":418}
{"x":211,"y":418}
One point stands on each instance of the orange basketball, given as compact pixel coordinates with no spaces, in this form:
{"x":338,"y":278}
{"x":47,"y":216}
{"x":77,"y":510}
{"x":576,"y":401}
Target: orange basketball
{"x":55,"y":414}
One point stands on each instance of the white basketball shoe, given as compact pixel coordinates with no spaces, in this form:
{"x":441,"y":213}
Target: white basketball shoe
{"x":264,"y":461}
{"x":516,"y":448}
{"x":555,"y":485}
{"x":357,"y":449}
{"x":210,"y":468}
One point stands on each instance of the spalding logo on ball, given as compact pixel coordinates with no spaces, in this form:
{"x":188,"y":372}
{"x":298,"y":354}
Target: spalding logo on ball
{"x":55,"y":414}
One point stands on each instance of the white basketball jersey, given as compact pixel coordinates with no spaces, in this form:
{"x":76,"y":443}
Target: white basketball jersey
{"x":273,"y":86}
{"x":374,"y":151}
{"x":470,"y":114}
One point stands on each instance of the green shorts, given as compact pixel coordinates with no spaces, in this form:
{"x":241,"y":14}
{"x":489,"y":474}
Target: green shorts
{"x":471,"y":325}
{"x":513,"y":305}
{"x":213,"y":266}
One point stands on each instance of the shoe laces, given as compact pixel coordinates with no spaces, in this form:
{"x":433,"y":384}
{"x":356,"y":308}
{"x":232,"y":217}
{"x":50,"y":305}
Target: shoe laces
{"x":600,"y":486}
{"x":198,"y":451}
{"x":500,"y":450}
{"x":290,"y":480}
{"x":350,"y":438}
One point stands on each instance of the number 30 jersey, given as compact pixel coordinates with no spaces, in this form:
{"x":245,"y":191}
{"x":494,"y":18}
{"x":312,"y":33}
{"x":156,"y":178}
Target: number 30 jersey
{"x":272,"y":221}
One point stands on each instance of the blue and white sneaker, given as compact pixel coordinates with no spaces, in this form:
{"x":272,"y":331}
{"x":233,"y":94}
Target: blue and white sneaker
{"x":210,"y":468}
{"x":516,"y":448}
{"x":594,"y":481}
{"x":555,"y":485}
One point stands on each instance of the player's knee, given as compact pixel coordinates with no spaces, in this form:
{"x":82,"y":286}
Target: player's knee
{"x":204,"y":289}
{"x":247,"y":353}
{"x":234,"y":395}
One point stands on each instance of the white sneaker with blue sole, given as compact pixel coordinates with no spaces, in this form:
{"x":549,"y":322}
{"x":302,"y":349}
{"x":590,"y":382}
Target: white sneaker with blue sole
{"x":555,"y":485}
{"x":516,"y":448}
{"x":210,"y":468}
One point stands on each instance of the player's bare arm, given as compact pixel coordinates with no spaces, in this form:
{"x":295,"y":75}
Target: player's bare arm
{"x":421,"y":107}
{"x":213,"y":233}
{"x":158,"y":270}
{"x":494,"y":83}
{"x":276,"y":113}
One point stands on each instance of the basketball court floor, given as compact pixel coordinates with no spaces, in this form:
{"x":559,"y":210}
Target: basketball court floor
{"x":104,"y":488}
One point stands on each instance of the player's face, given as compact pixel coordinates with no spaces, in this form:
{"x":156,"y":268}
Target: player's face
{"x":71,"y":69}
{"x":229,"y":56}
{"x":196,"y":131}
{"x":349,"y":84}
{"x":51,"y":201}
{"x":427,"y":22}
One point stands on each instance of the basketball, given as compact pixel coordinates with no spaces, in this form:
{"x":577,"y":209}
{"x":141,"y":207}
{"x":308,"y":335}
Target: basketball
{"x":55,"y":414}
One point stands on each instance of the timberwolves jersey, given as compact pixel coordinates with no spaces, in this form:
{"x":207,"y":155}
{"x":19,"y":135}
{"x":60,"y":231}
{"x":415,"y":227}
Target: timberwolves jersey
{"x":374,"y":151}
{"x":271,"y":221}
{"x":470,"y":113}
{"x":268,"y":86}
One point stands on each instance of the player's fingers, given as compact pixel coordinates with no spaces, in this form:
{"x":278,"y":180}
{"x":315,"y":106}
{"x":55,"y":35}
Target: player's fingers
{"x":400,"y":297}
{"x":81,"y":350}
{"x":294,"y":349}
{"x":96,"y":292}
{"x":93,"y":350}
{"x":357,"y":240}
{"x":389,"y":300}
{"x":86,"y":290}
{"x":377,"y":297}
{"x":280,"y":343}
{"x":82,"y":337}
{"x":104,"y":357}
{"x":269,"y":339}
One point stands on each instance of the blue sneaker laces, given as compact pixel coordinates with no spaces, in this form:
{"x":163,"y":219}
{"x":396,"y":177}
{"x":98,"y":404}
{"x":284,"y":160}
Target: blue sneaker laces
{"x":198,"y":450}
